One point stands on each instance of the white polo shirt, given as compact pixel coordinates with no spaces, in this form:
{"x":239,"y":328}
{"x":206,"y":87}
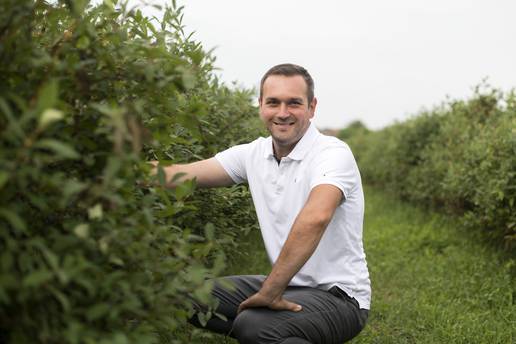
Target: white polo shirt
{"x":280,"y":191}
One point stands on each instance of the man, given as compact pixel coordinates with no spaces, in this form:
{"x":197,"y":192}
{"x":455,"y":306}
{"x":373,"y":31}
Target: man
{"x":308,"y":196}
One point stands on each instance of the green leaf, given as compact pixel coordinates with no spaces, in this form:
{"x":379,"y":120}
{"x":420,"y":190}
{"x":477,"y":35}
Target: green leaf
{"x":51,"y":258}
{"x":49,"y":116}
{"x":82,"y":230}
{"x":103,"y":245}
{"x":219,"y":263}
{"x":61,"y":297}
{"x":184,"y":189}
{"x":162,"y":176}
{"x":209,"y":231}
{"x":48,"y":95}
{"x":37,"y":278}
{"x":4,"y":177}
{"x":6,"y":261}
{"x":220,"y":316}
{"x":14,"y":125}
{"x":116,"y":260}
{"x":83,"y":43}
{"x":120,"y":338}
{"x":170,"y":210}
{"x":113,"y":165}
{"x":72,"y":187}
{"x":203,"y":318}
{"x":177,"y":176}
{"x":191,"y":123}
{"x":109,"y":4}
{"x":15,"y":220}
{"x":95,"y":212}
{"x":197,"y":56}
{"x":39,"y":201}
{"x":61,"y":149}
{"x":112,"y":111}
{"x":97,"y":311}
{"x":8,"y":281}
{"x":188,"y":78}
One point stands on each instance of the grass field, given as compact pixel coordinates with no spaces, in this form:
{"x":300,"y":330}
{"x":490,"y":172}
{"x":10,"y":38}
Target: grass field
{"x":432,"y":281}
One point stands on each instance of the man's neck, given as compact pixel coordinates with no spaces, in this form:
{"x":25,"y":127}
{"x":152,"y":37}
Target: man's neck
{"x":281,"y":151}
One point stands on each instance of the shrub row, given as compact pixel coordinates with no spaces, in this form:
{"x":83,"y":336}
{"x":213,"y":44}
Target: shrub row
{"x":460,"y":157}
{"x":88,"y":94}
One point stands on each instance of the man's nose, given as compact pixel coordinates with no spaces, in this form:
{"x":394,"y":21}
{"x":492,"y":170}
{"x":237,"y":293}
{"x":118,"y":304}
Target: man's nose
{"x":283,"y":110}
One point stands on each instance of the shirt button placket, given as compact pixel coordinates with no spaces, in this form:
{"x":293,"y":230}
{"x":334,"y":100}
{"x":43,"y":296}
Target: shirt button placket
{"x":279,"y":185}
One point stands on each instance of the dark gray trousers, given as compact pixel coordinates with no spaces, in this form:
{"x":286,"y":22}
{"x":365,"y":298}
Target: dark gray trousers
{"x":328,"y":317}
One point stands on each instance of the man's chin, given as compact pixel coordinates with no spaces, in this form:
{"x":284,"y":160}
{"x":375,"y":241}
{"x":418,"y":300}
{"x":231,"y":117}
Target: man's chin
{"x":283,"y":141}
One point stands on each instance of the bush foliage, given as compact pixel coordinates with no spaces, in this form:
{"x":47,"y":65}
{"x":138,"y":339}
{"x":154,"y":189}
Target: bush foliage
{"x":460,"y":157}
{"x":88,"y":94}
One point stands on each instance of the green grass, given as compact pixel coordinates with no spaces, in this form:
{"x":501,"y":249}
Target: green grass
{"x":432,"y":281}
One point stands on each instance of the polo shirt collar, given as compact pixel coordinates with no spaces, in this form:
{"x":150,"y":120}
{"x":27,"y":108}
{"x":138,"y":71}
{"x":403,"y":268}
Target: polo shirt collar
{"x":300,"y":149}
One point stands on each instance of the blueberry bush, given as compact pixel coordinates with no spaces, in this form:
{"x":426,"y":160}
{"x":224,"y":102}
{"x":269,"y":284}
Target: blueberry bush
{"x":459,"y":157}
{"x":92,"y":248}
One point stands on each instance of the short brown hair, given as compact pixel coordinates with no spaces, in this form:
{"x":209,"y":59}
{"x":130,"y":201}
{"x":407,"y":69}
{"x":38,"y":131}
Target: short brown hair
{"x":290,"y":69}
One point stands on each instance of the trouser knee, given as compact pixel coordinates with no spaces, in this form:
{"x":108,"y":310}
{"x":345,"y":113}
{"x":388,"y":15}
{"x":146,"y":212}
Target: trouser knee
{"x":250,"y":328}
{"x":247,"y":329}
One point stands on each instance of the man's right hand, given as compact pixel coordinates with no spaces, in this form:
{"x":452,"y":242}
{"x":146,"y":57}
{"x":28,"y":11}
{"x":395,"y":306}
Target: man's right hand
{"x":208,"y":173}
{"x":278,"y":303}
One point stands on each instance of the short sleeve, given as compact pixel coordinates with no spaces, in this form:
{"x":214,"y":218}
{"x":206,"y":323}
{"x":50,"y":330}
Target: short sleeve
{"x":233,"y":161}
{"x":336,"y":165}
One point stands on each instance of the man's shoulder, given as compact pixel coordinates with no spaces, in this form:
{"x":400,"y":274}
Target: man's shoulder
{"x":261,"y":140}
{"x":328,"y":143}
{"x":250,"y":149}
{"x":257,"y":144}
{"x":330,"y":151}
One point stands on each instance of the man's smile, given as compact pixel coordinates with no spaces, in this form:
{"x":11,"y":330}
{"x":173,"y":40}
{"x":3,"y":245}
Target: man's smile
{"x":283,"y":123}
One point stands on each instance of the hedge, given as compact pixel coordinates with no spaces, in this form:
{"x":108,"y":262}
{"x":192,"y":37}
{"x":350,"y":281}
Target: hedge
{"x":459,"y":157}
{"x":88,"y":94}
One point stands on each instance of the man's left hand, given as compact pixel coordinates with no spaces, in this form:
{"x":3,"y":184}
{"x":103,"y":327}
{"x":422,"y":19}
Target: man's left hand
{"x":278,"y":303}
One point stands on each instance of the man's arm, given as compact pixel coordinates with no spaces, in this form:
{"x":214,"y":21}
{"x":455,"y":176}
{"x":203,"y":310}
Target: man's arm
{"x":208,"y":173}
{"x":301,"y":242}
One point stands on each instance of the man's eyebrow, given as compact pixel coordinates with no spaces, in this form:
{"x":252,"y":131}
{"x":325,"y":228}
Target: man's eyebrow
{"x":289,"y":100}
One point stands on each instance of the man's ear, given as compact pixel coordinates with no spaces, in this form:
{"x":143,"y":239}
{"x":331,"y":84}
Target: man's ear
{"x":313,"y":105}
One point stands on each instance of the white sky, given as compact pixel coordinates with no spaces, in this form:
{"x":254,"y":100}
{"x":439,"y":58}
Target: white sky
{"x":372,"y":60}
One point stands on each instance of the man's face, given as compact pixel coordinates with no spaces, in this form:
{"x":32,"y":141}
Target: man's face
{"x":285,"y":110}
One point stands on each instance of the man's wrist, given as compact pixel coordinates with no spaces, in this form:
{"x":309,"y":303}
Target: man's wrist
{"x":271,"y":290}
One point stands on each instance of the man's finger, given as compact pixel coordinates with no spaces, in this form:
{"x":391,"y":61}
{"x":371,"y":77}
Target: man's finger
{"x":278,"y":305}
{"x":243,"y":305}
{"x":287,"y":305}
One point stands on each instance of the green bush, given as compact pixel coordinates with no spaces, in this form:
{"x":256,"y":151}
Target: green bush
{"x":87,"y":96}
{"x":459,"y":157}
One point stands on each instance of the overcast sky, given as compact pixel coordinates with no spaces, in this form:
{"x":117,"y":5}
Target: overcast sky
{"x":375,"y":61}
